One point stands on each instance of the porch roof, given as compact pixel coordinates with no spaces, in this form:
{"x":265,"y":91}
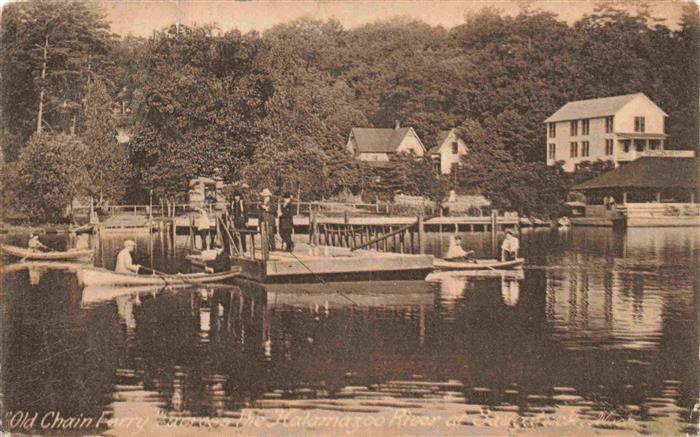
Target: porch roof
{"x":642,"y":135}
{"x":649,"y":172}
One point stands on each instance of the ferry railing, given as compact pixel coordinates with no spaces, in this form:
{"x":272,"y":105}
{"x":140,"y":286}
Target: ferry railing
{"x":398,"y":238}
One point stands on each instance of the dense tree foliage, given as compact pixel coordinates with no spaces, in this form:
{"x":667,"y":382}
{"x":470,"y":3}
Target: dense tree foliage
{"x":107,"y":166}
{"x":275,"y":108}
{"x":48,"y":175}
{"x":50,"y":52}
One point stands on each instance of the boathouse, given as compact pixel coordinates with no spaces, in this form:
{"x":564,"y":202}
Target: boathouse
{"x":651,"y":191}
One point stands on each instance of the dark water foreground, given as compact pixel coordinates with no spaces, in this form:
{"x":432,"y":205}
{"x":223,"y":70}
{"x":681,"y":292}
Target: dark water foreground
{"x":599,"y":335}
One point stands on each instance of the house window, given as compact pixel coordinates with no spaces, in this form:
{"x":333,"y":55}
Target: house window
{"x":609,"y":147}
{"x":654,"y":144}
{"x":585,"y":148}
{"x":639,"y":145}
{"x":585,"y":127}
{"x":552,"y":152}
{"x":608,"y":125}
{"x":574,"y":149}
{"x":552,"y":130}
{"x":455,"y":148}
{"x":639,"y":124}
{"x":574,"y":128}
{"x":626,"y":146}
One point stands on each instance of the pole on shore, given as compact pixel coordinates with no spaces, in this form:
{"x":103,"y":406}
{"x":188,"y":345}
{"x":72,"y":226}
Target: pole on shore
{"x":494,"y":233}
{"x":263,"y":241}
{"x":421,"y":234}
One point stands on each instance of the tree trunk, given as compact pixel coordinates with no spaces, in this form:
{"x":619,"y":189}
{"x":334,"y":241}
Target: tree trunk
{"x":39,"y":117}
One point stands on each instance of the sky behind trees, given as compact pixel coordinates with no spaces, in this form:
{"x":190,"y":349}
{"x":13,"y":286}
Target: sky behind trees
{"x":143,"y":17}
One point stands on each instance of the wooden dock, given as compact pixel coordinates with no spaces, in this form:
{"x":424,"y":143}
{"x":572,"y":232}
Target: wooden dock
{"x":127,"y":222}
{"x":435,"y":224}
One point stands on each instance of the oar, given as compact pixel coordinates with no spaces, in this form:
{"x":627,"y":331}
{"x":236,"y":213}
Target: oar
{"x":163,"y":276}
{"x":160,"y":274}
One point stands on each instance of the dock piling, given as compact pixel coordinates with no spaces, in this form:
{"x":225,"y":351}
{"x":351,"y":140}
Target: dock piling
{"x":421,"y":234}
{"x":494,"y":232}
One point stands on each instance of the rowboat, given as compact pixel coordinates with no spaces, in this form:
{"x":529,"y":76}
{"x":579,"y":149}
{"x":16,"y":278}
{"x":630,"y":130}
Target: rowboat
{"x":480,"y":264}
{"x":89,"y":276}
{"x":25,"y":253}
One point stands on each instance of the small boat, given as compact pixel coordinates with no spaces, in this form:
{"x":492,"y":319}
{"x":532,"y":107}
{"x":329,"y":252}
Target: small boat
{"x":525,"y":222}
{"x":89,"y":276}
{"x":200,"y":259}
{"x":480,"y":264}
{"x":25,"y":253}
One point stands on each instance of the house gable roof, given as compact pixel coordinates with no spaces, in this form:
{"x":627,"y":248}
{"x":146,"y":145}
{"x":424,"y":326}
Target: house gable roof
{"x":441,"y":137}
{"x":649,"y":172}
{"x":380,"y":140}
{"x":594,"y":108}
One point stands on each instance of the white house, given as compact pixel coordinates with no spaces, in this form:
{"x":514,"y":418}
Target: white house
{"x":448,"y":151}
{"x":377,"y":145}
{"x":619,"y":128}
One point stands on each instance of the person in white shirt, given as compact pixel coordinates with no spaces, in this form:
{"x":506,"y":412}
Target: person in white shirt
{"x":203,"y":225}
{"x":36,"y":245}
{"x":455,"y":251}
{"x":124,"y":262}
{"x":510,"y":246}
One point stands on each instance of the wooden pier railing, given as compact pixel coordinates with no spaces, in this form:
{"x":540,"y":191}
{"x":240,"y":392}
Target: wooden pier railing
{"x":381,"y":237}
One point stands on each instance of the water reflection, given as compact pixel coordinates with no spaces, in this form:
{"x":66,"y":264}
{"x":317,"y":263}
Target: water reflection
{"x":598,"y":333}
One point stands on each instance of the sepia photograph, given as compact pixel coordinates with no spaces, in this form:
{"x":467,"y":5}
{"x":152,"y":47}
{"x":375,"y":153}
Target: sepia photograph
{"x":349,"y":218}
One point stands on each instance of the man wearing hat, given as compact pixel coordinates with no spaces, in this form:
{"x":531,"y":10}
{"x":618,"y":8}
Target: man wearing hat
{"x":266,"y":217}
{"x":203,"y":224}
{"x":286,"y":214}
{"x":510,"y":246}
{"x":239,"y":214}
{"x":124,"y":262}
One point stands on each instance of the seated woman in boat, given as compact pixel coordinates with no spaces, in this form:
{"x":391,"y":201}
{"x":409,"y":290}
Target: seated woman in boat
{"x":510,"y":246}
{"x":35,"y":245}
{"x":124,"y":262}
{"x":222,"y":262}
{"x":456,"y":253}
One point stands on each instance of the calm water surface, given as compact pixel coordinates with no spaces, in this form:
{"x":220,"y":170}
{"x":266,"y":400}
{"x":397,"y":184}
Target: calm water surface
{"x":599,"y":334}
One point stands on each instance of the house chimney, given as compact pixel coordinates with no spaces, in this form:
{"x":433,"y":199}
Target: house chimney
{"x":397,"y":124}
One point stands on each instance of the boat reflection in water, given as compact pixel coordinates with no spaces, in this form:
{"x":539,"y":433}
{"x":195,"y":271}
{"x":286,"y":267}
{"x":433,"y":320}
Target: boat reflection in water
{"x":591,"y":337}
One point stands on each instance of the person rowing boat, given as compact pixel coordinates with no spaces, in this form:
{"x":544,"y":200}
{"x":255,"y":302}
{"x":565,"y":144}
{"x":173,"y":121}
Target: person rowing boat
{"x":35,"y":244}
{"x":456,"y":253}
{"x":124,"y":261}
{"x":510,"y":246}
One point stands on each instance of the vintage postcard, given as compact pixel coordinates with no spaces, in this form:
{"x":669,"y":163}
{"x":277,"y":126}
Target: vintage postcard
{"x":349,"y":218}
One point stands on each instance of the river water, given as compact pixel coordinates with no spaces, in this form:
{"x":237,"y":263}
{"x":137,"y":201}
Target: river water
{"x":599,"y":334}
